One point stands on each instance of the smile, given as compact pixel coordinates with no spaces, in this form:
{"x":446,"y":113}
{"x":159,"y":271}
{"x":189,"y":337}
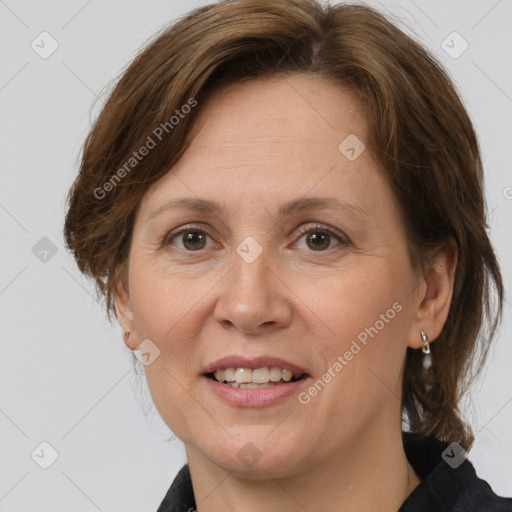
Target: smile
{"x":258,"y":378}
{"x":254,"y":382}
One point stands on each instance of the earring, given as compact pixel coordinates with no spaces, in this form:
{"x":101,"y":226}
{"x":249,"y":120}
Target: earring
{"x":427,"y":359}
{"x":426,"y":344}
{"x":126,"y":335}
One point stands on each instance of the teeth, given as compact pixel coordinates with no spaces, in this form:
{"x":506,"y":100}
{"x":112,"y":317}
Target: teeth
{"x":275,"y":374}
{"x":229,"y":375}
{"x":243,"y":375}
{"x":252,"y":385}
{"x":260,"y":377}
{"x":287,"y":375}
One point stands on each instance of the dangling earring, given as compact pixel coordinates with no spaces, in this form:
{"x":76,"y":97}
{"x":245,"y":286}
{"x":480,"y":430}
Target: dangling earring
{"x":426,"y":344}
{"x":427,"y":360}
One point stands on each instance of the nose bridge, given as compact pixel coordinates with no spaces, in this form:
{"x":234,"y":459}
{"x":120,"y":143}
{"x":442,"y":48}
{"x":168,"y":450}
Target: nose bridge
{"x":252,"y":255}
{"x":251,"y":295}
{"x":251,"y":271}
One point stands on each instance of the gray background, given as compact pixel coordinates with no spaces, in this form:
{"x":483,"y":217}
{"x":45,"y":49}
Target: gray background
{"x":65,"y":374}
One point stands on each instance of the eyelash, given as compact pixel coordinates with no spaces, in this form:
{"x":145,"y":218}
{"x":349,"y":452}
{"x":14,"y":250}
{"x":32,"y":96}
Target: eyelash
{"x":302,"y":231}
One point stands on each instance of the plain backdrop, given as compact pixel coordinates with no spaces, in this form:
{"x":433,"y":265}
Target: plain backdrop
{"x":65,"y":374}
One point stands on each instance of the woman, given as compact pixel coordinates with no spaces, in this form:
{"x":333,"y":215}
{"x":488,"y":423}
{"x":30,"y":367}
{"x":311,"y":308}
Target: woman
{"x":282,"y":203}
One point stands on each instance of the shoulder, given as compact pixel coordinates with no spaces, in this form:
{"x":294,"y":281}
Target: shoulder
{"x":449,"y":480}
{"x":180,"y":496}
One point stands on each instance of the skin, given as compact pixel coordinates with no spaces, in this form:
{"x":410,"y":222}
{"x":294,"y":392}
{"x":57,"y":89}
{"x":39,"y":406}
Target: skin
{"x":255,"y":146}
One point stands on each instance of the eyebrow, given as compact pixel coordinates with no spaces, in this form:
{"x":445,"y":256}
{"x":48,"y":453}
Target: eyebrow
{"x":292,"y":207}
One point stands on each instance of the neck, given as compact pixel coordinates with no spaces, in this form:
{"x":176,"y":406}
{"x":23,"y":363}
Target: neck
{"x":372,"y":474}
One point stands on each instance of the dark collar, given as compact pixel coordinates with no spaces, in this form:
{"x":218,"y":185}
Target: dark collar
{"x":449,"y":482}
{"x":443,"y":487}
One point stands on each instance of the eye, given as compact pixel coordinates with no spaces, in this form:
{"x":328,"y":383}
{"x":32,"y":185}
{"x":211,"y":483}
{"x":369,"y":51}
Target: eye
{"x":192,"y":238}
{"x":318,"y":237}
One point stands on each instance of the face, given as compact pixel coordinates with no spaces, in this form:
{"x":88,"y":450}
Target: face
{"x":298,"y":262}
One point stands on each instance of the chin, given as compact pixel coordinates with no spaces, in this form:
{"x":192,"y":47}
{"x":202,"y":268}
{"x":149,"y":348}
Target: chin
{"x":258,"y":456}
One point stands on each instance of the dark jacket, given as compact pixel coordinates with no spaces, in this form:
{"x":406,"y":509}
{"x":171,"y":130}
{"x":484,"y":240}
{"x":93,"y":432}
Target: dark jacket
{"x":448,"y":483}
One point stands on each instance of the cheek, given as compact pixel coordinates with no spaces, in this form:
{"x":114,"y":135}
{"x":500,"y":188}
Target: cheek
{"x":164,"y":301}
{"x":358,"y":303}
{"x":364,"y":347}
{"x":170,"y":309}
{"x":162,"y":309}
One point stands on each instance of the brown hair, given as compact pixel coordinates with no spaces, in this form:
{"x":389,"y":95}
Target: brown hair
{"x":419,"y":133}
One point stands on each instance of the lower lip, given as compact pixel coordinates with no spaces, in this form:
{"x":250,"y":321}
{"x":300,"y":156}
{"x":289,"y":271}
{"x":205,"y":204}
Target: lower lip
{"x":255,"y":397}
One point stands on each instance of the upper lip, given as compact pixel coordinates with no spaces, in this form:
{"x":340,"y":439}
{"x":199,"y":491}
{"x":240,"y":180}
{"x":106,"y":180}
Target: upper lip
{"x":252,"y":363}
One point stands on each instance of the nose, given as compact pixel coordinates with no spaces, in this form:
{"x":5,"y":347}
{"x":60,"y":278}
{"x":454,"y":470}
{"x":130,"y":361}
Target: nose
{"x":253,"y":297}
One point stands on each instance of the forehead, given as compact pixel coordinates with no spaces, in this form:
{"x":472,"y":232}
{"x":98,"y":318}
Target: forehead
{"x":272,"y":132}
{"x":279,"y":110}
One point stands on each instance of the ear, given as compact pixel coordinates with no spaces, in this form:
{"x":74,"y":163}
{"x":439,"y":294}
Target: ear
{"x":435,"y":295}
{"x":124,"y":312}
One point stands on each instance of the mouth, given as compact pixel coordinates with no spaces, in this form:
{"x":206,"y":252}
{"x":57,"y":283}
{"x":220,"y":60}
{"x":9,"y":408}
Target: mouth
{"x":253,"y":373}
{"x":264,"y":377}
